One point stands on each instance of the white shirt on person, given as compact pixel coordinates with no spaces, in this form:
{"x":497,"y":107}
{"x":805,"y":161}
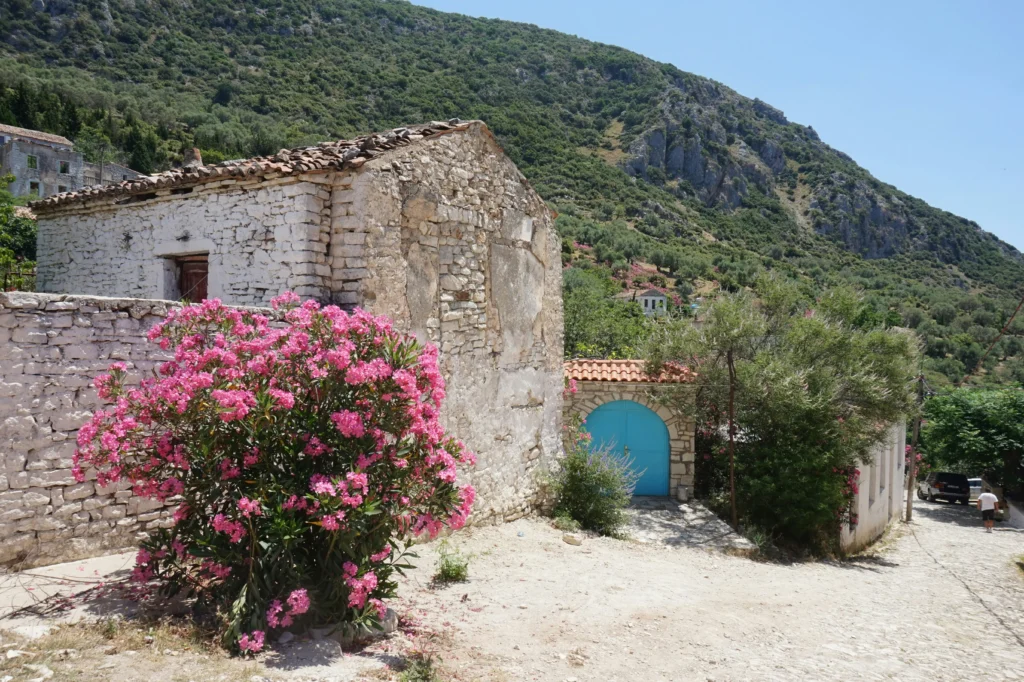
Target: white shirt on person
{"x":988,"y":501}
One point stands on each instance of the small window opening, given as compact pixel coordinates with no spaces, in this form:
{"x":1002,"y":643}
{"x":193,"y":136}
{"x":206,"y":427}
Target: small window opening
{"x":33,"y":188}
{"x":65,"y":167}
{"x":193,"y":274}
{"x":33,"y":162}
{"x":62,"y":188}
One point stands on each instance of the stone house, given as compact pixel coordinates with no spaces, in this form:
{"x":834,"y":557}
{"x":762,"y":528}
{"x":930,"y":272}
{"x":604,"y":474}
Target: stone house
{"x":42,"y":164}
{"x":615,"y":397}
{"x":431,"y":225}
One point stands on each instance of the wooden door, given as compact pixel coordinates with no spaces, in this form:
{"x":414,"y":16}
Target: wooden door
{"x":192,"y":279}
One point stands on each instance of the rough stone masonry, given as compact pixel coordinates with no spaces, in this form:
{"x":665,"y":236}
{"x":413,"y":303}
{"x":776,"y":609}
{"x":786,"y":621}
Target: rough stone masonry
{"x":431,"y":225}
{"x":51,"y":349}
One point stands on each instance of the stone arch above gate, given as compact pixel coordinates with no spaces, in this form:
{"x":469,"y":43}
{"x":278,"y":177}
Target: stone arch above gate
{"x":604,"y":381}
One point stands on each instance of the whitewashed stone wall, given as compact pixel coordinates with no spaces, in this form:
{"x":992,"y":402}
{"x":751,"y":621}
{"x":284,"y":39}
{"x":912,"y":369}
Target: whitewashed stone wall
{"x":879,"y":499}
{"x":51,"y":349}
{"x":262,"y":237}
{"x":592,"y":394}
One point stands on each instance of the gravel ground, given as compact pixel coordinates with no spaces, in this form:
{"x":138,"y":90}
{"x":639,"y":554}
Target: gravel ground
{"x":940,"y":601}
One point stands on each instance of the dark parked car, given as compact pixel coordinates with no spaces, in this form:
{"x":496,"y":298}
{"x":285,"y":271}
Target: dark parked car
{"x":945,"y":486}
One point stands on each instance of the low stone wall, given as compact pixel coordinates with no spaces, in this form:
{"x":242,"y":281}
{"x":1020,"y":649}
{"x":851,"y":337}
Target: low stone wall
{"x":51,"y":348}
{"x":592,"y":394}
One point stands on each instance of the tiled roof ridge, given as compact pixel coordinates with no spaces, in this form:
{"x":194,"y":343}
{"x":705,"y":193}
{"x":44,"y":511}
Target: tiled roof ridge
{"x":35,"y":134}
{"x":624,"y":370}
{"x":326,"y":156}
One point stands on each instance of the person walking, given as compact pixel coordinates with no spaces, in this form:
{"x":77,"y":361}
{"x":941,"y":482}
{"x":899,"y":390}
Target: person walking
{"x":987,"y":504}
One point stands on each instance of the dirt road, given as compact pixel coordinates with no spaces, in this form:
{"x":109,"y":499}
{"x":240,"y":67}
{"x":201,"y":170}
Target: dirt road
{"x":943,"y":601}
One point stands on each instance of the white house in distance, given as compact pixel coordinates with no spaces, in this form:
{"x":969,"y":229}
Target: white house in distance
{"x":654,"y":302}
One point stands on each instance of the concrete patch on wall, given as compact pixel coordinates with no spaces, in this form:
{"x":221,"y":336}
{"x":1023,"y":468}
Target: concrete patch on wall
{"x":518,"y":301}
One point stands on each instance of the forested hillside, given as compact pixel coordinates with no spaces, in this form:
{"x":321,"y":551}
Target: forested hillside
{"x":644,"y":162}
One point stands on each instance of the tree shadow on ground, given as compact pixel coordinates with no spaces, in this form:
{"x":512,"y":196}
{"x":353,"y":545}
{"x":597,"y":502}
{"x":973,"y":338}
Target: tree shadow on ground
{"x":56,"y":597}
{"x":865,"y":562}
{"x":305,"y":653}
{"x":118,"y":599}
{"x":664,"y":521}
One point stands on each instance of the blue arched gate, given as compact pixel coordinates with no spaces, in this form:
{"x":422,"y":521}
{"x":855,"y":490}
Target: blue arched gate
{"x":625,"y":424}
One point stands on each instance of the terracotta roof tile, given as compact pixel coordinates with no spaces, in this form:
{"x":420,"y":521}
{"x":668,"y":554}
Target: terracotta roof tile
{"x":326,"y":156}
{"x":15,"y":131}
{"x":623,"y":370}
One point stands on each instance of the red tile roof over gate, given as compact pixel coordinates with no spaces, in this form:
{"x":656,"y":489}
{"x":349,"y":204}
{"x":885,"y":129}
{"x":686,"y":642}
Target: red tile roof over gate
{"x":624,"y":370}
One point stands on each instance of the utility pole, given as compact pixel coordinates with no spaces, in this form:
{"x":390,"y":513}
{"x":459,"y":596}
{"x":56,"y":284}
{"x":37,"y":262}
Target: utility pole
{"x":732,"y":437}
{"x":912,"y":471}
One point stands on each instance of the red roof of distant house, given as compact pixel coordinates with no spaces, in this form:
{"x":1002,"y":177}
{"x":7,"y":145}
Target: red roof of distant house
{"x":624,"y":370}
{"x":15,"y":131}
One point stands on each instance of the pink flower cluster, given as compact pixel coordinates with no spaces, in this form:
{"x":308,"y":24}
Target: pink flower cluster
{"x":249,"y":507}
{"x":359,"y":587}
{"x":234,"y":529}
{"x":319,"y":414}
{"x":252,"y":642}
{"x":298,"y":603}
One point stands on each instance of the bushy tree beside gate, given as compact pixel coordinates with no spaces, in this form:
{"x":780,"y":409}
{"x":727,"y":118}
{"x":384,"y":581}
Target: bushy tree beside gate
{"x":302,"y":455}
{"x":814,"y":386}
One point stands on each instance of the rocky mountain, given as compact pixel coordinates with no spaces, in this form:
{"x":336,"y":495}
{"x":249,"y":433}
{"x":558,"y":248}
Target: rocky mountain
{"x":643,"y":160}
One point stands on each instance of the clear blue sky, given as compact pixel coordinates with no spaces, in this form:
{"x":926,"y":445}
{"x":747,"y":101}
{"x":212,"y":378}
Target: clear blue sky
{"x":928,"y":96}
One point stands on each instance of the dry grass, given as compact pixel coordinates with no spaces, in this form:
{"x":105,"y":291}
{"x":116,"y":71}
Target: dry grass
{"x":116,"y":649}
{"x":610,"y":151}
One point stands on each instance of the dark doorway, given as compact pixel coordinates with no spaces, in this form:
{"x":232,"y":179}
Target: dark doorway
{"x":193,"y":272}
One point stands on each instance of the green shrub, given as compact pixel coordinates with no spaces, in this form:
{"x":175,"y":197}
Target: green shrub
{"x":593,"y":487}
{"x":564,"y":522}
{"x":452,"y":565}
{"x":419,"y":668}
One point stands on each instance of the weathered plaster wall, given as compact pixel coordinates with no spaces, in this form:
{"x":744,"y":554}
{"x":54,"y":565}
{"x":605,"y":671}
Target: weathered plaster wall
{"x":880,"y":493}
{"x":14,"y":159}
{"x":51,"y":349}
{"x":262,"y":238}
{"x":447,"y":238}
{"x":592,"y":394}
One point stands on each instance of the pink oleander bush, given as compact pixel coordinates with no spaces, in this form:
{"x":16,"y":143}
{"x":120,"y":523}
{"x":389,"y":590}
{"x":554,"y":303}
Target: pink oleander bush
{"x":302,"y":457}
